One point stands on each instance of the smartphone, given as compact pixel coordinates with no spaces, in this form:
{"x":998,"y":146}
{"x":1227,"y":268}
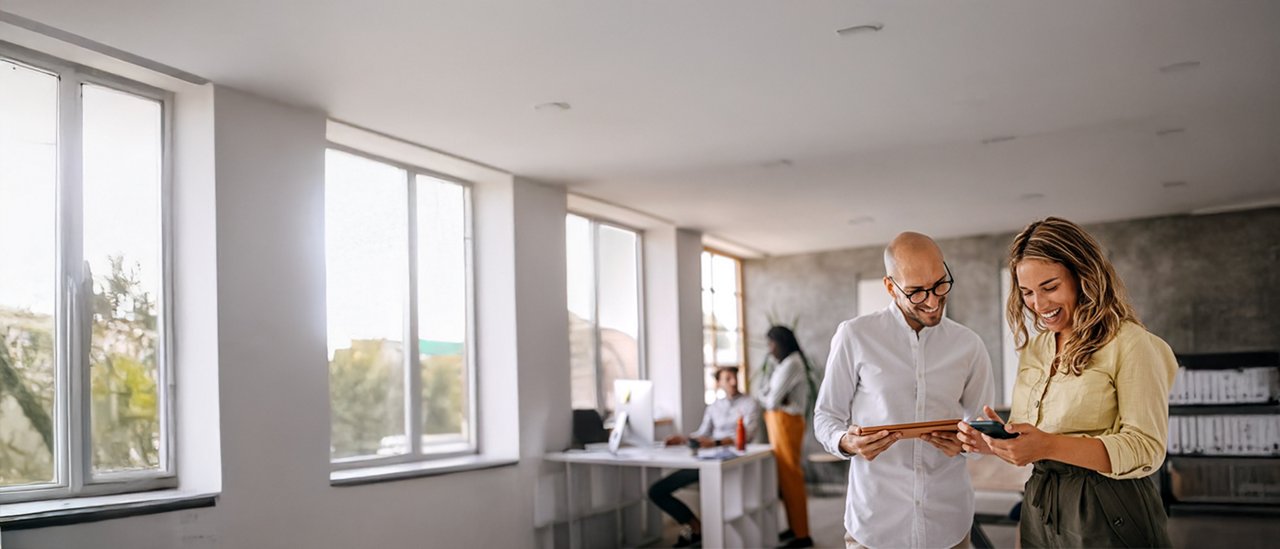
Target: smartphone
{"x":991,"y":428}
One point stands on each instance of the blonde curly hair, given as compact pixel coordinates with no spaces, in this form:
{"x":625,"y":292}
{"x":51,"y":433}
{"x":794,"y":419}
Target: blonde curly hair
{"x":1103,"y":305}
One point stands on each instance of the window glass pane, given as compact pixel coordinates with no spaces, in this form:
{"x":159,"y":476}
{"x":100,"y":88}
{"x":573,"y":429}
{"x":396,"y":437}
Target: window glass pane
{"x":727,"y":347}
{"x":706,"y":270}
{"x":725,"y":272}
{"x":712,"y":391}
{"x":709,"y":347}
{"x":708,"y":309}
{"x":581,"y":285}
{"x":726,"y":310}
{"x":442,"y":310}
{"x":122,"y":247}
{"x":619,"y":296}
{"x":366,"y":265}
{"x":28,"y":178}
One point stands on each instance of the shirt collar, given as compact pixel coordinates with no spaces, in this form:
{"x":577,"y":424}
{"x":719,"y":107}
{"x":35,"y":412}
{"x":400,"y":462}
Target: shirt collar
{"x":901,"y":319}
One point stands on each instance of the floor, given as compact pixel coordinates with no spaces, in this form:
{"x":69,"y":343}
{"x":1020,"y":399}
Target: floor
{"x":826,"y":520}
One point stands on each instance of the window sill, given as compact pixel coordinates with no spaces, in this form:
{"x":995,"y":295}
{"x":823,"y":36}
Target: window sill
{"x":387,"y":473}
{"x":61,"y":512}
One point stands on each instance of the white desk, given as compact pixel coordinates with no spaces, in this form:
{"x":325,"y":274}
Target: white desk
{"x":739,"y":496}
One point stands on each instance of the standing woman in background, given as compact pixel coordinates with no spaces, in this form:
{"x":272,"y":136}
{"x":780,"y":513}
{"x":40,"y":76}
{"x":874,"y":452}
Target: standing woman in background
{"x":784,"y":395}
{"x":1091,"y":400}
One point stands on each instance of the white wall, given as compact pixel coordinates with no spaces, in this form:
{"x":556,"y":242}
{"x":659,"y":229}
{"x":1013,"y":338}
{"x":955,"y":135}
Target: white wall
{"x":272,"y":379}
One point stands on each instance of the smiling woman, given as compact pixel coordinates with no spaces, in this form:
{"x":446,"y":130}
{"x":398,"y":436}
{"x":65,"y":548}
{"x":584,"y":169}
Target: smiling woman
{"x":1090,"y":403}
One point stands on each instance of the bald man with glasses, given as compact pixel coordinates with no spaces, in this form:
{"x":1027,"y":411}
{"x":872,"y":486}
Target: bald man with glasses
{"x":904,"y":364}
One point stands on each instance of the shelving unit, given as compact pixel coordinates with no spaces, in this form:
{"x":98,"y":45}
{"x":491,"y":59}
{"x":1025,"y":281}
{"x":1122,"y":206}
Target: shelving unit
{"x":1202,"y":482}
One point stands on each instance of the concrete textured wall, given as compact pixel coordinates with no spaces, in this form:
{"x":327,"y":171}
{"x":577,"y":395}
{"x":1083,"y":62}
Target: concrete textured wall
{"x":1203,"y":283}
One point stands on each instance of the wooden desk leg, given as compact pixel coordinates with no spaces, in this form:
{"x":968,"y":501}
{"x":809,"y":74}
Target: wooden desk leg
{"x":711,"y":488}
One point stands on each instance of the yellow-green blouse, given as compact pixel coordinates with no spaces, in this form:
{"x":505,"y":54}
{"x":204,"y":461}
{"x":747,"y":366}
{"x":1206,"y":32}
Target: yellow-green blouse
{"x":1120,"y":398}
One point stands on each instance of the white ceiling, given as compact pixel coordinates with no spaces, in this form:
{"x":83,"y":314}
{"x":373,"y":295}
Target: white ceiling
{"x":682,"y":109}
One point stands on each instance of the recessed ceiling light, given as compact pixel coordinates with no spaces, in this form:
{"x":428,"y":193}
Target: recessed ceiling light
{"x":1173,"y":184}
{"x":779,"y":163}
{"x":861,"y":29}
{"x":1170,"y":131}
{"x":1030,"y":197}
{"x":554,"y":106}
{"x":998,"y":139}
{"x":1180,"y":66}
{"x":861,"y":220}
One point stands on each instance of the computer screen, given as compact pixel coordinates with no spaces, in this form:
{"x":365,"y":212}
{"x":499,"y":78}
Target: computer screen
{"x":635,"y":397}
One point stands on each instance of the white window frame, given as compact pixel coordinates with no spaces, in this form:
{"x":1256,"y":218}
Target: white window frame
{"x":73,"y":448}
{"x":643,"y":367}
{"x":412,"y":367}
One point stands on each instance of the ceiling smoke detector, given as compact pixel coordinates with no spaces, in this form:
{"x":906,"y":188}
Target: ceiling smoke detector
{"x":1173,"y":184}
{"x":779,"y":163}
{"x":998,"y":139}
{"x":554,"y":106}
{"x":1031,"y":197}
{"x":861,"y":220}
{"x":1181,"y":66}
{"x":1170,"y":131}
{"x":861,"y":29}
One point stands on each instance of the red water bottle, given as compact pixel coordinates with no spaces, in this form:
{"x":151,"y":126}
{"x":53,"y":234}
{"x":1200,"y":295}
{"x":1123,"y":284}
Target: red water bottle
{"x":741,"y":441}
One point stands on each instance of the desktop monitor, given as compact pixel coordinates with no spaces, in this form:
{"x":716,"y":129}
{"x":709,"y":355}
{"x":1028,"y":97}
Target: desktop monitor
{"x":635,"y":398}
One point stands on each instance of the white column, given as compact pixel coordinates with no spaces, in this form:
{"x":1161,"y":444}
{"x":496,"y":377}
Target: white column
{"x":673,"y":322}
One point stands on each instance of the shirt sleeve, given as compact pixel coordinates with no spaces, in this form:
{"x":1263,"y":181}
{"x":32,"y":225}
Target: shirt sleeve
{"x":979,"y":388}
{"x":784,"y":379}
{"x":1144,"y":372}
{"x":751,"y":418}
{"x":704,"y":429}
{"x":835,"y":396}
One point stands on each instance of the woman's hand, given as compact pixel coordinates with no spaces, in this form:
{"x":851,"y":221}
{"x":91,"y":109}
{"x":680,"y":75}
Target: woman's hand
{"x":972,"y":440}
{"x":1031,"y":445}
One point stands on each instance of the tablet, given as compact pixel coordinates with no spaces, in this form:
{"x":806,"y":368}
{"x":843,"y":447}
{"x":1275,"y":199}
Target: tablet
{"x":913,"y":430}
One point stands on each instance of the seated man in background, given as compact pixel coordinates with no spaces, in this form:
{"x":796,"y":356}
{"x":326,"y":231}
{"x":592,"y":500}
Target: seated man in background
{"x":719,"y":428}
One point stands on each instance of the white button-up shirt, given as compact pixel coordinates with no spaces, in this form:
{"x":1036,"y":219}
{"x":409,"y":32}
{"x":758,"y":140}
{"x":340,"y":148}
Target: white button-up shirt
{"x":787,"y":389}
{"x":880,"y":372}
{"x":720,"y":420}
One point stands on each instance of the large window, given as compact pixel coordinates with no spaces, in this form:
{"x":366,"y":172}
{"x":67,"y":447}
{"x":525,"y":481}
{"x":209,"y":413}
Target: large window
{"x":722,"y":341}
{"x":604,"y":309}
{"x":85,"y":380}
{"x":397,"y":256}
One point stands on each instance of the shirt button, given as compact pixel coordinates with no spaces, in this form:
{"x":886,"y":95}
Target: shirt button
{"x":917,"y":503}
{"x":1147,"y":468}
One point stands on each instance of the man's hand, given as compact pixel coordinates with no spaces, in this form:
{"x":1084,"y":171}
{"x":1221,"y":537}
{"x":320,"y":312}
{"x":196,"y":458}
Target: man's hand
{"x":677,"y":440}
{"x":706,"y":442}
{"x":868,"y":446}
{"x":944,"y":441}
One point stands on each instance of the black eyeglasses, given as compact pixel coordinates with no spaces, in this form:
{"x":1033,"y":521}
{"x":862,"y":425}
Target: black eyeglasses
{"x":940,"y":289}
